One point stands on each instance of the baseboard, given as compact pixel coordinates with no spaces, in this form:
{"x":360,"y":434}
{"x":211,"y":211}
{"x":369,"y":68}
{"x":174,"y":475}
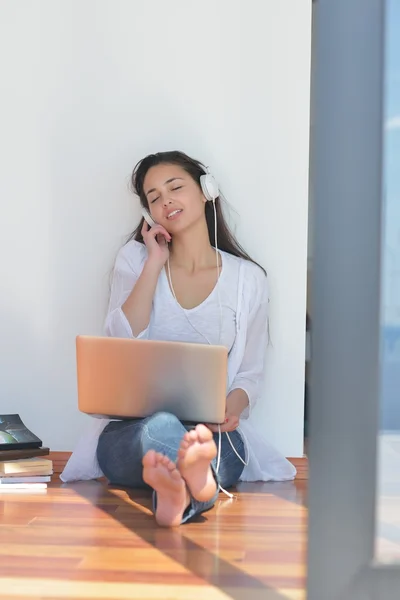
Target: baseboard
{"x":60,"y":460}
{"x":301,"y":465}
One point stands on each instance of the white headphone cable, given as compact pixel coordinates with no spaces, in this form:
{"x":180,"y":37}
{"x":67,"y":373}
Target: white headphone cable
{"x":220,"y":312}
{"x":219,"y":458}
{"x":218,"y":270}
{"x":207,"y":340}
{"x":183,"y":310}
{"x":217,"y":286}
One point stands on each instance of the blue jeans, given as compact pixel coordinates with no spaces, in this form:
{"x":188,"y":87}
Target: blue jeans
{"x":123,"y":444}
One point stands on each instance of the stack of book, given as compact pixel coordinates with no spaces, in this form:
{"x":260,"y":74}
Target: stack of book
{"x":29,"y":474}
{"x":22,"y":467}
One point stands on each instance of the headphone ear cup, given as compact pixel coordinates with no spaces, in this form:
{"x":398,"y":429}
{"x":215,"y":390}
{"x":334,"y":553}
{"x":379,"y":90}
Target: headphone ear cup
{"x":209,"y":187}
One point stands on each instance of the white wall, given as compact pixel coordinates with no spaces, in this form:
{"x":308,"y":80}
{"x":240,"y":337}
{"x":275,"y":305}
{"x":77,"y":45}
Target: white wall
{"x":88,"y":88}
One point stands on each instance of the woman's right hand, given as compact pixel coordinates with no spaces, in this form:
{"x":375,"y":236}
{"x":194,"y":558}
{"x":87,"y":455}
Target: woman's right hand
{"x":156,"y":240}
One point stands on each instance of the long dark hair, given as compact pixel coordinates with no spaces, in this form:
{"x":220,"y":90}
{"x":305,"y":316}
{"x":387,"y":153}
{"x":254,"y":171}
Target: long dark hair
{"x":226,"y":240}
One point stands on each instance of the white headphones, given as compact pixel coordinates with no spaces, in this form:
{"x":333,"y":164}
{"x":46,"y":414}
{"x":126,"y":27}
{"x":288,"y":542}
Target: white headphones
{"x":210,"y":189}
{"x":209,"y":186}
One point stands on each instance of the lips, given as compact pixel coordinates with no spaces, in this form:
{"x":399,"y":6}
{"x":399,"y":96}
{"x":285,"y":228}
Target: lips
{"x":173,"y":214}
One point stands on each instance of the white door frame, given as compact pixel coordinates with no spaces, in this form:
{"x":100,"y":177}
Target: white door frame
{"x":344,"y":405}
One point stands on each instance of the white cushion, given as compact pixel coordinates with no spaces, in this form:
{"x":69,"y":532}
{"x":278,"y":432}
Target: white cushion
{"x":83,"y":464}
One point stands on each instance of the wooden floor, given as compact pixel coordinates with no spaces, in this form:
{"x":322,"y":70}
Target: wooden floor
{"x":88,"y":540}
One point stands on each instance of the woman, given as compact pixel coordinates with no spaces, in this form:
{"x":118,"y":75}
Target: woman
{"x":165,"y":287}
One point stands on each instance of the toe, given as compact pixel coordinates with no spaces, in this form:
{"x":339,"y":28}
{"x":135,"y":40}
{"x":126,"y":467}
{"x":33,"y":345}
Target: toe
{"x":203,"y":433}
{"x":170,"y":465}
{"x":193,"y":435}
{"x":175,"y":475}
{"x":150,"y":459}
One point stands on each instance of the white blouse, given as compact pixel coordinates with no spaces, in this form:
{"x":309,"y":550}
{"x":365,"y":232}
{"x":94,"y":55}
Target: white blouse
{"x":201,"y":324}
{"x":244,"y":301}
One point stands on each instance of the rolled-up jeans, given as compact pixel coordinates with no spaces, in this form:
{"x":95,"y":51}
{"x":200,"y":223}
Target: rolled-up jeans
{"x":123,"y":444}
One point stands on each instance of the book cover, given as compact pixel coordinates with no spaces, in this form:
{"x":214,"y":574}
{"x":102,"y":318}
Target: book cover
{"x":44,"y":471}
{"x":28,"y":479}
{"x":12,"y":454}
{"x":15,"y":435}
{"x":28,"y":489}
{"x":28,"y":462}
{"x":31,"y":466}
{"x":23,"y":486}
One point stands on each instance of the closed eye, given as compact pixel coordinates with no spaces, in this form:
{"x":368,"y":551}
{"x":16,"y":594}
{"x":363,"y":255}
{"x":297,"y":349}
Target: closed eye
{"x":175,"y":189}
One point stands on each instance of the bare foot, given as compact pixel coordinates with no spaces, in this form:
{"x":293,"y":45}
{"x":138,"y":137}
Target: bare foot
{"x":195,"y":454}
{"x":160,"y":473}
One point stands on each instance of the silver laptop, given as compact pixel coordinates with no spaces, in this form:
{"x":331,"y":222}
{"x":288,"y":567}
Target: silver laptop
{"x":123,"y":378}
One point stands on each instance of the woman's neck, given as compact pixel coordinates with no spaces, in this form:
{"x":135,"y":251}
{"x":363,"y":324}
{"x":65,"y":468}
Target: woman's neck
{"x":191,"y":249}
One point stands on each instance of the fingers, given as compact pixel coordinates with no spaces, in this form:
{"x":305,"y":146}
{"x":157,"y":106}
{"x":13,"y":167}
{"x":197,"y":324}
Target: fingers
{"x":231,"y":423}
{"x":213,"y":428}
{"x":161,"y":240}
{"x":145,"y":228}
{"x":157,"y":230}
{"x":234,"y":423}
{"x":155,"y":235}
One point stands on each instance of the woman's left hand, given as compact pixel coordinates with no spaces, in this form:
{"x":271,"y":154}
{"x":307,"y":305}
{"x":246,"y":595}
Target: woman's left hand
{"x":231,"y":423}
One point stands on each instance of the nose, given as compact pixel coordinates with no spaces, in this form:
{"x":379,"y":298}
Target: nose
{"x":166,"y":201}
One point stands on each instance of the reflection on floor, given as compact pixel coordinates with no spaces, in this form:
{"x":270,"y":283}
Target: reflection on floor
{"x":388,"y":513}
{"x":90,"y":541}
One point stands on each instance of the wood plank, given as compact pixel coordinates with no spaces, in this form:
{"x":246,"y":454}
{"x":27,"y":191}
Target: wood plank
{"x":89,"y":540}
{"x":60,"y":460}
{"x":40,"y":589}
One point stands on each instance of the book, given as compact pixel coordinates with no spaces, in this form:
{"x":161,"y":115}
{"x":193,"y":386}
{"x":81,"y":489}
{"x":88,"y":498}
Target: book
{"x":25,"y":490}
{"x":15,"y":435}
{"x":11,"y":454}
{"x":22,"y":486}
{"x":35,"y":461}
{"x":30,"y":466}
{"x":30,"y":473}
{"x":27,"y":479}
